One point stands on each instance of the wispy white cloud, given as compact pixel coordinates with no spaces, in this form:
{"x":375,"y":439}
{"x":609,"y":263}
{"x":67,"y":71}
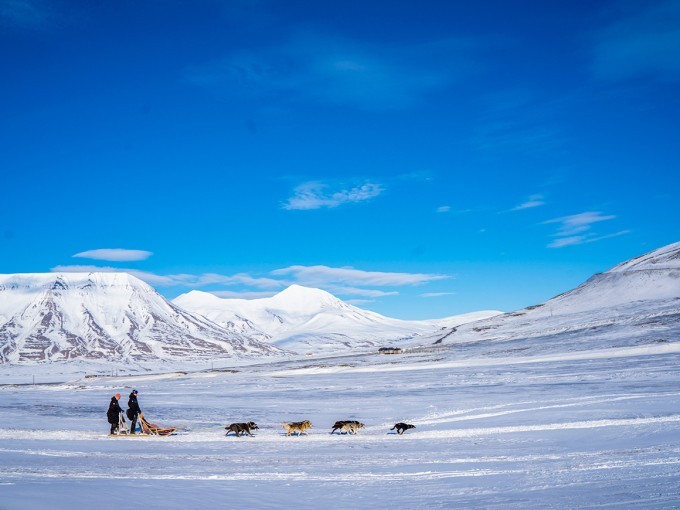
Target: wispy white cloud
{"x":576,"y":223}
{"x":567,"y":241}
{"x":114,"y":255}
{"x":352,"y":276}
{"x":444,"y":209}
{"x":345,"y":281}
{"x":344,"y":290}
{"x":436,"y":294}
{"x":575,"y":229}
{"x":533,"y":201}
{"x":316,"y":67}
{"x":174,"y":280}
{"x":359,"y":302}
{"x":238,"y":279}
{"x":231,"y":294}
{"x":583,"y":239}
{"x":317,"y":195}
{"x":150,"y":278}
{"x":641,"y":42}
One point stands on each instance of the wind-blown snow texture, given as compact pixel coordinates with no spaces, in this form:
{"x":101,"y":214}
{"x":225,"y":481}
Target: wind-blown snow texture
{"x":303,"y":319}
{"x":573,"y":404}
{"x":104,"y":316}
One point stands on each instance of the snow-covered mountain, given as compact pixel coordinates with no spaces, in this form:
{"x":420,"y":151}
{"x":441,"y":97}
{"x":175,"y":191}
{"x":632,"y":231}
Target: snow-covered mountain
{"x":304,"y":319}
{"x":116,"y":317}
{"x":636,"y":302}
{"x":105,"y":316}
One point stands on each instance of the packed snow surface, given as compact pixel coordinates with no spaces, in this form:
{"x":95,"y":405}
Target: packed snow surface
{"x":570,"y":430}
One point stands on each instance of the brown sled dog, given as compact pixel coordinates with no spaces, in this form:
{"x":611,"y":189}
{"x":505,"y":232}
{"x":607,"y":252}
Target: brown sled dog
{"x":347,"y":426}
{"x":401,"y":427}
{"x":241,"y":428}
{"x":297,"y":427}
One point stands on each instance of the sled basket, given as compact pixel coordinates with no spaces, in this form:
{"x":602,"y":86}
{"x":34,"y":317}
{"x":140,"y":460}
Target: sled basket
{"x":152,"y":429}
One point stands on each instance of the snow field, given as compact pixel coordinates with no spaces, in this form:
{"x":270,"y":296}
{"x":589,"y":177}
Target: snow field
{"x":568,"y":433}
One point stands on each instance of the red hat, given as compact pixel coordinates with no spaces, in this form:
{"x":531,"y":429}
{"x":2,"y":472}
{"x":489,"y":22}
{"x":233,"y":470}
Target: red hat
{"x":117,"y":395}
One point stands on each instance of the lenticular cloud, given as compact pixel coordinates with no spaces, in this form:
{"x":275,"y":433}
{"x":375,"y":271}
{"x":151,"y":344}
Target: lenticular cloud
{"x":115,"y":254}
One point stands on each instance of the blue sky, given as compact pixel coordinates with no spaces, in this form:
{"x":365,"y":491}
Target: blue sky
{"x":420,"y":159}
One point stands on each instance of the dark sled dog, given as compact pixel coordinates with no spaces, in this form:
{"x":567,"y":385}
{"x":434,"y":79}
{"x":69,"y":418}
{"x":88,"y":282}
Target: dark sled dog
{"x":242,"y":428}
{"x":350,"y":426}
{"x":401,"y":427}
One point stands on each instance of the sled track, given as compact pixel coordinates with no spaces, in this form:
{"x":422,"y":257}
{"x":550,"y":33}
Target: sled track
{"x":371,"y":433}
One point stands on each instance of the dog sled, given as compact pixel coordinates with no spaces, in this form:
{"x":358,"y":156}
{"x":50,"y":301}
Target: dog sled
{"x":146,"y":428}
{"x":152,"y":429}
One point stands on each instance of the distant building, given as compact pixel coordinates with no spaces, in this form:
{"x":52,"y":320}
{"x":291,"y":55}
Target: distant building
{"x":390,"y":350}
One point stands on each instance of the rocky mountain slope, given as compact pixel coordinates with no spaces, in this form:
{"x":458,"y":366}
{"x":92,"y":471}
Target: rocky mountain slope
{"x":105,"y":316}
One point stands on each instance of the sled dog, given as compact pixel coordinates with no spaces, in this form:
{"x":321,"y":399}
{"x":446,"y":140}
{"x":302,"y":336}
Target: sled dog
{"x":401,"y":427}
{"x":297,"y":427}
{"x":347,"y":426}
{"x":242,"y":428}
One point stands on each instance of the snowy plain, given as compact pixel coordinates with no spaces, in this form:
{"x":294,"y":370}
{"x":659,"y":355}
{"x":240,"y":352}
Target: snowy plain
{"x":592,"y":429}
{"x":574,"y":403}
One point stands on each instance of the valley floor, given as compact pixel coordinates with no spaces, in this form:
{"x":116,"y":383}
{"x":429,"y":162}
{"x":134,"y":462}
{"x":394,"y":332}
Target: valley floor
{"x":590,"y":431}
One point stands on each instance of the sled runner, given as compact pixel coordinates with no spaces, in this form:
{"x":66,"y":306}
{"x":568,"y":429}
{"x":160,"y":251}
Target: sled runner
{"x":123,"y":429}
{"x":147,"y":428}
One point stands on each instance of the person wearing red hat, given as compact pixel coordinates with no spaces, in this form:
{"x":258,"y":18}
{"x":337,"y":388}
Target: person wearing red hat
{"x":113,"y":414}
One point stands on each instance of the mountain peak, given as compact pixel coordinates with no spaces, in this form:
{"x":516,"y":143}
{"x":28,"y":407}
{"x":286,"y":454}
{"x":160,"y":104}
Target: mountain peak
{"x":301,"y":290}
{"x":197,"y":296}
{"x":104,"y":316}
{"x":303,"y":298}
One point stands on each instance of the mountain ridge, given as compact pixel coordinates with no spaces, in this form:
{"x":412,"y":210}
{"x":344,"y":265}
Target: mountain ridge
{"x":47,"y":317}
{"x":104,"y":316}
{"x":305,"y":318}
{"x":666,"y":257}
{"x":636,"y":301}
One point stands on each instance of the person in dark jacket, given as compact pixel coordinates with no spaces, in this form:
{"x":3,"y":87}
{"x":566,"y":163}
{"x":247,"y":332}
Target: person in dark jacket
{"x":113,"y":414}
{"x":133,"y":410}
